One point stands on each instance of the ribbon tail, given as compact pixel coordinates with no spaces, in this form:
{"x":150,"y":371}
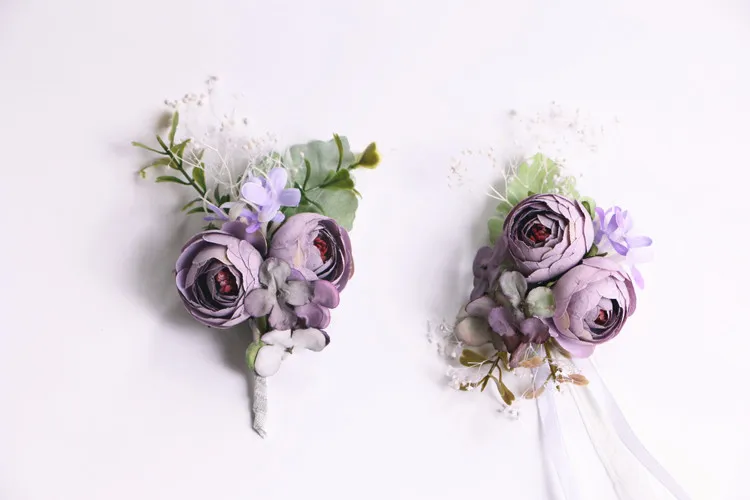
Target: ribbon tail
{"x":622,"y":454}
{"x":553,"y":445}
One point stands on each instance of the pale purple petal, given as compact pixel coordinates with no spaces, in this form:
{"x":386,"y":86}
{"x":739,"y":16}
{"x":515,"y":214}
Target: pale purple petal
{"x":326,"y":294}
{"x":619,"y":248}
{"x":638,"y":241}
{"x":277,"y":178}
{"x":637,"y":277}
{"x":255,"y":193}
{"x":289,"y":197}
{"x":278,"y":218}
{"x":600,"y":215}
{"x":313,"y":315}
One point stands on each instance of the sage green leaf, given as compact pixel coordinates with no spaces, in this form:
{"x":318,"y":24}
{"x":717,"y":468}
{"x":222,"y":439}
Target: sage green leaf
{"x":505,"y":393}
{"x":199,"y":177}
{"x":169,"y":178}
{"x":340,"y":180}
{"x":540,"y":302}
{"x":179,"y":149}
{"x":143,"y":146}
{"x":161,"y":142}
{"x":471,"y":358}
{"x":338,"y":204}
{"x":197,"y":210}
{"x":513,"y":286}
{"x":495,"y":226}
{"x":173,"y":129}
{"x":323,"y":157}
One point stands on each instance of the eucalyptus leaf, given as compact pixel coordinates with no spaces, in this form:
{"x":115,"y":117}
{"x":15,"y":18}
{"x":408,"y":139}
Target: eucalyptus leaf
{"x":339,"y":204}
{"x":323,"y":157}
{"x":514,"y":286}
{"x":540,"y":302}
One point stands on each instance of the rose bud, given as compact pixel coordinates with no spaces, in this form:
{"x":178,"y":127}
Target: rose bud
{"x":317,"y":246}
{"x":592,"y":302}
{"x":214,"y":273}
{"x":547,"y":234}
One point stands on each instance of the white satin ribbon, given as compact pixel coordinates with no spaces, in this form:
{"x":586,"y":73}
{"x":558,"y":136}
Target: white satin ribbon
{"x":632,"y":470}
{"x":553,"y":445}
{"x":622,"y":454}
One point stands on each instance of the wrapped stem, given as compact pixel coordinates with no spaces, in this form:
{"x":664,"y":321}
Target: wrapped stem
{"x":260,"y":399}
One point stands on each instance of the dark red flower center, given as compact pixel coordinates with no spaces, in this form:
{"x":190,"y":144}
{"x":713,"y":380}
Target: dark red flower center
{"x":226,"y":282}
{"x":602,"y":317}
{"x":538,"y":233}
{"x":323,"y":248}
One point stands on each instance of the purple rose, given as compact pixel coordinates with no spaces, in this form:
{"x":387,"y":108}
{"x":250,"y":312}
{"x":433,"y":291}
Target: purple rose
{"x":215,"y":271}
{"x":592,"y":302}
{"x":317,"y":246}
{"x":547,"y":234}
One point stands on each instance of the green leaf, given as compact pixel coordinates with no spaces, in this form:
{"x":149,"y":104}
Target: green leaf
{"x":143,"y":146}
{"x":495,"y":226}
{"x":338,"y":204}
{"x":197,"y":210}
{"x":217,"y":194}
{"x":593,"y":251}
{"x":504,"y":358}
{"x":199,"y":177}
{"x":505,"y":393}
{"x":173,"y":129}
{"x":191,"y":203}
{"x":590,"y":206}
{"x":540,"y":302}
{"x":323,"y":157}
{"x":471,"y":358}
{"x":340,"y":147}
{"x":308,"y":171}
{"x":161,"y":143}
{"x":161,"y":162}
{"x":340,"y":180}
{"x":179,"y":149}
{"x":170,"y":178}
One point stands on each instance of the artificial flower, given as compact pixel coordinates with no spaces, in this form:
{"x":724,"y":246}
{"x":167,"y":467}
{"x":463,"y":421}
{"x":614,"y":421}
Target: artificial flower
{"x":592,"y":303}
{"x":269,"y":194}
{"x":265,"y":357}
{"x":214,"y":273}
{"x":278,"y":295}
{"x":613,"y":231}
{"x":317,"y":246}
{"x":547,"y":234}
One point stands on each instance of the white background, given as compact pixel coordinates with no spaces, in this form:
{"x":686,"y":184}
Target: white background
{"x":109,"y":391}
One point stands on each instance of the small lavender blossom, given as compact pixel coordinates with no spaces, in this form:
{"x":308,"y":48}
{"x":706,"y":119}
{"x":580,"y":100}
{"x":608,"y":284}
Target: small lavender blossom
{"x":614,"y":225}
{"x":612,"y":230}
{"x":269,"y":194}
{"x":236,"y":211}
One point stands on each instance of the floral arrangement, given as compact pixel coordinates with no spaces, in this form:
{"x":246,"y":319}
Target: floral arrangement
{"x":559,"y":280}
{"x":275,"y":251}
